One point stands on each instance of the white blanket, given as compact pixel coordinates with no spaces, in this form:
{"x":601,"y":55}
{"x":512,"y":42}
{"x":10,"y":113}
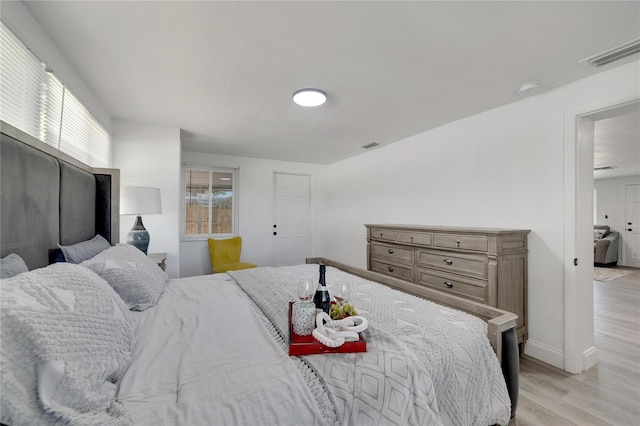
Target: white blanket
{"x":425,"y":363}
{"x":203,"y":357}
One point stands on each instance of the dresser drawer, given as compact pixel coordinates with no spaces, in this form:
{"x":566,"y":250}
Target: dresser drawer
{"x":464,"y":242}
{"x":420,"y":238}
{"x":459,"y":263}
{"x":383,"y":234}
{"x":392,"y":253}
{"x":398,"y":271}
{"x":464,"y":287}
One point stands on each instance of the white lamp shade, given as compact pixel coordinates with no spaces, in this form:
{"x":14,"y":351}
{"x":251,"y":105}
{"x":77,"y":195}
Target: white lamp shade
{"x":139,"y":200}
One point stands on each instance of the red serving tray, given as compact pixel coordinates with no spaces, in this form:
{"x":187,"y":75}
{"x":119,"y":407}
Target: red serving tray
{"x":308,"y":345}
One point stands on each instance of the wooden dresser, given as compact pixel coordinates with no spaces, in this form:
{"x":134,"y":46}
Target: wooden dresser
{"x":481,"y":264}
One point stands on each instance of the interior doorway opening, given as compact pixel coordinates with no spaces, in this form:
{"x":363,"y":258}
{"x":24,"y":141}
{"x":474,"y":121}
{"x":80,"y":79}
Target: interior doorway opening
{"x":580,"y":351}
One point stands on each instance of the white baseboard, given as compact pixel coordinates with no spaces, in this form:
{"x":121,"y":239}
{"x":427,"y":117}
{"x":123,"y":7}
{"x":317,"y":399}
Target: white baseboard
{"x":544,"y":353}
{"x":589,"y":358}
{"x":555,"y":357}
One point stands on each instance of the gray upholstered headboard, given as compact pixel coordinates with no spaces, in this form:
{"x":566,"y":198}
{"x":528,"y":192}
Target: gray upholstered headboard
{"x":48,"y":198}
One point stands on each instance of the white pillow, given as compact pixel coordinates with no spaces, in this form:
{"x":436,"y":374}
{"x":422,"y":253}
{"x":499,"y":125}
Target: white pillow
{"x":137,"y":279}
{"x":66,"y":339}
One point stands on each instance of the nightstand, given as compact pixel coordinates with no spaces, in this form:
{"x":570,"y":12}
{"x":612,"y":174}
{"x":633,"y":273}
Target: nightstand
{"x":159,"y":258}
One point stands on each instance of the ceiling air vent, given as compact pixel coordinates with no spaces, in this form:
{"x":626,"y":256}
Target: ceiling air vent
{"x":612,"y":55}
{"x":603,"y":168}
{"x":370,"y":145}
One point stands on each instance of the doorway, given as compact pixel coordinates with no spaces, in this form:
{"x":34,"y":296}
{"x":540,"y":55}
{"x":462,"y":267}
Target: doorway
{"x":580,"y":351}
{"x":617,"y":183}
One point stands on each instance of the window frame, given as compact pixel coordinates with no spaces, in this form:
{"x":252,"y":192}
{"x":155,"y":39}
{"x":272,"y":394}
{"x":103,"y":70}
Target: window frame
{"x":235,"y":172}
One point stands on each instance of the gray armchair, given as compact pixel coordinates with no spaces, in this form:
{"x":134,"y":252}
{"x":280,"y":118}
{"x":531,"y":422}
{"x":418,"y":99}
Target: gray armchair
{"x":605,"y":245}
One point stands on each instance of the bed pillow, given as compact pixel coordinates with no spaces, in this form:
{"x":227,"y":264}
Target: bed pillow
{"x":12,"y":265}
{"x":136,"y":278}
{"x":84,"y":250}
{"x":599,"y":234}
{"x":66,"y":339}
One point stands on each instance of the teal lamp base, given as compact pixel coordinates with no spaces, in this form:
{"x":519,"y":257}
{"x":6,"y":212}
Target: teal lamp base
{"x":138,"y":236}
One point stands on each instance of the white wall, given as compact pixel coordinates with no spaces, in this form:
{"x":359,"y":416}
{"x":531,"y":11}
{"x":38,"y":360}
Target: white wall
{"x":502,"y":168}
{"x":20,"y":21}
{"x":610,"y":206}
{"x":255,"y":208}
{"x":149,"y":155}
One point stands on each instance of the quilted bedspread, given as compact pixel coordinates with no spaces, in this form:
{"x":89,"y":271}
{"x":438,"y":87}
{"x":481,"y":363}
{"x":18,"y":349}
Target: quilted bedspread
{"x":425,"y":364}
{"x":203,"y":357}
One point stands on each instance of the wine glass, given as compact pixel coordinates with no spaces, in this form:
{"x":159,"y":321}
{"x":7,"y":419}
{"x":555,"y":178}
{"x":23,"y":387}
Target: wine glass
{"x":306,"y":289}
{"x":342,"y":293}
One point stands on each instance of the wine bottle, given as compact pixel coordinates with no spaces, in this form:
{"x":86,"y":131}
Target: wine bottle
{"x":321,"y":298}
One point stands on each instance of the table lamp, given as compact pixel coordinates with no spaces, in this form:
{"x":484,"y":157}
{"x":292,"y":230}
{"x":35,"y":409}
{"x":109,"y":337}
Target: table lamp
{"x":139,"y":200}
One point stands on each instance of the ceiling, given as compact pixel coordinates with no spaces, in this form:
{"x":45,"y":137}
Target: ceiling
{"x":224,"y":72}
{"x":617,"y":143}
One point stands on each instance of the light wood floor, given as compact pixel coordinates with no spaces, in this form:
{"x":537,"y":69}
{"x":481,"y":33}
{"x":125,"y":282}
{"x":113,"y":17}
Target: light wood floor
{"x":607,"y":394}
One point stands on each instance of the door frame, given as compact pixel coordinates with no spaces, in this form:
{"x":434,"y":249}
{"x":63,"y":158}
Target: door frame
{"x":580,"y":352}
{"x":625,"y":247}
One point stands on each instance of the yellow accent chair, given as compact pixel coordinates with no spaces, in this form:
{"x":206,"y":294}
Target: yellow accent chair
{"x":225,"y":255}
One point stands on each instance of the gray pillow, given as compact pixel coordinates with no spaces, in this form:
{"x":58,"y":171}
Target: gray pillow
{"x":136,"y":278}
{"x":12,"y":265}
{"x":85,"y":250}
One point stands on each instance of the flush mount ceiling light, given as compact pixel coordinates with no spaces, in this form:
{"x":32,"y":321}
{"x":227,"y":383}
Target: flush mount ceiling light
{"x":309,"y":97}
{"x":528,"y":87}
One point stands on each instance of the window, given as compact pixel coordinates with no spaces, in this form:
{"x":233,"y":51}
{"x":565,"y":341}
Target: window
{"x":36,"y":102}
{"x":82,"y":136}
{"x":210,"y":201}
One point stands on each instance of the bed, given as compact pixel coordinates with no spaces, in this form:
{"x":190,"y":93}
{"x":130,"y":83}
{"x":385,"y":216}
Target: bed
{"x":111,"y":340}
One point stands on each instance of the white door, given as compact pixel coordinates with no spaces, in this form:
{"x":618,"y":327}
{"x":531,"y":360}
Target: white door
{"x":631,"y":235}
{"x":292,"y":219}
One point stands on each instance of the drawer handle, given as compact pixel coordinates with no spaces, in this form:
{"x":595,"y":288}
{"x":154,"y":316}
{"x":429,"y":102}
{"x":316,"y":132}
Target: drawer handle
{"x":390,"y":268}
{"x":448,"y":261}
{"x":448,"y":284}
{"x":458,"y":244}
{"x":390,"y":251}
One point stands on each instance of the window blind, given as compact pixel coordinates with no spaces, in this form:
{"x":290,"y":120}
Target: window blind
{"x":23,"y":85}
{"x":51,"y":95}
{"x":36,"y":102}
{"x":82,"y":136}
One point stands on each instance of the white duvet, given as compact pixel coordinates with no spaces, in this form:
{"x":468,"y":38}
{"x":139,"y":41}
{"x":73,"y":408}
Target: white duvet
{"x":203,"y":357}
{"x":206,"y":355}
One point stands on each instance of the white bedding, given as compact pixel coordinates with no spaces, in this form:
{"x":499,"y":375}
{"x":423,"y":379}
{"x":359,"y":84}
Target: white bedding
{"x":204,"y":356}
